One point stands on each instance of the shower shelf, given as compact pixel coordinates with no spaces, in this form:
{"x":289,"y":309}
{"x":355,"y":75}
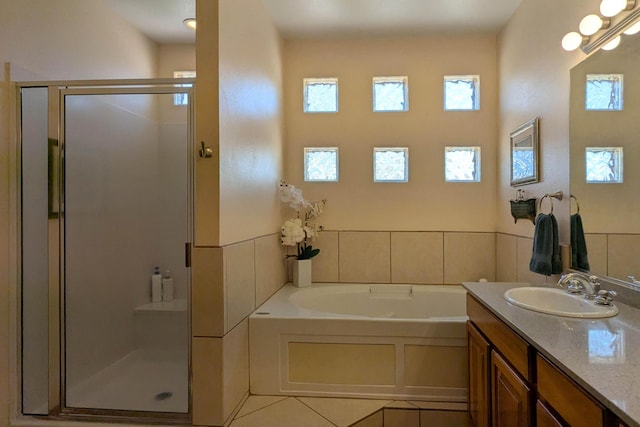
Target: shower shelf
{"x":170,"y":306}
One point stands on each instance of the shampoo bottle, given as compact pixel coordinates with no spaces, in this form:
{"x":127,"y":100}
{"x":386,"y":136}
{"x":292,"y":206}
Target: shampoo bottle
{"x":156,"y":285}
{"x":167,"y":286}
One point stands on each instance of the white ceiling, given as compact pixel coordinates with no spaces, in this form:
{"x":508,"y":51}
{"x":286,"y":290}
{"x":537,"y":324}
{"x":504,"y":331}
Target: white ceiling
{"x":325,"y":18}
{"x":162,"y":20}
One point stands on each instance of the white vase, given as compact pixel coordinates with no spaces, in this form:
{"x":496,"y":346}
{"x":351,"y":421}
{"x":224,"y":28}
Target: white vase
{"x":302,"y":273}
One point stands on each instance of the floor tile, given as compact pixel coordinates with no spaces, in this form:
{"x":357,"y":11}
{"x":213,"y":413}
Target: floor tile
{"x":444,"y":419}
{"x":254,"y":403}
{"x":401,"y":404}
{"x":401,"y":417}
{"x":375,"y":420}
{"x":343,"y":412}
{"x":286,"y":413}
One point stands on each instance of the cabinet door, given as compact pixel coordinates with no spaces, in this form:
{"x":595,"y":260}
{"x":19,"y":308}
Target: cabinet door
{"x":510,"y":396}
{"x":479,"y":370}
{"x":544,"y":417}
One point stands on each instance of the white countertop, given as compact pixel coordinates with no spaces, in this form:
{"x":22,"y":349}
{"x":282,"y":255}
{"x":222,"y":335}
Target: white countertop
{"x":602,"y":355}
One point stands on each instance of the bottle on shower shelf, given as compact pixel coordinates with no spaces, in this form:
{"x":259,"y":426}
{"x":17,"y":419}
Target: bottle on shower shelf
{"x":167,"y":286}
{"x":156,"y":285}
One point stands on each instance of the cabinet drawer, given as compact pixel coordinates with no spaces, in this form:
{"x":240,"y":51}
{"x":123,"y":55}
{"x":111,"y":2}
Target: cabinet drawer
{"x":512,"y":347}
{"x":567,"y":398}
{"x":545,"y":418}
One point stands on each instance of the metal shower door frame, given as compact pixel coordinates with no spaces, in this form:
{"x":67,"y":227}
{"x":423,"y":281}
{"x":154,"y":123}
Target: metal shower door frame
{"x":57,"y":92}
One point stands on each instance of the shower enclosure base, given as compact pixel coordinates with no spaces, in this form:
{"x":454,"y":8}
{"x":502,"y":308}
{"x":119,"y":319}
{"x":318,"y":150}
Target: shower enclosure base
{"x":143,"y":380}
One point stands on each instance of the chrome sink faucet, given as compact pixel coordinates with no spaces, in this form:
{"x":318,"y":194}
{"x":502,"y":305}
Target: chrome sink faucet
{"x":581,"y":283}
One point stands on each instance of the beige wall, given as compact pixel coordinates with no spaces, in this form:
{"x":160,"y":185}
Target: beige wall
{"x":175,"y":57}
{"x":426,"y":202}
{"x":238,"y":261}
{"x":534,"y":82}
{"x":73,"y":39}
{"x":251,"y":142}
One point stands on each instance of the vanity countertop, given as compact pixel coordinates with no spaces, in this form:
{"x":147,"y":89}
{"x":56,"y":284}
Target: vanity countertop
{"x":602,"y":355}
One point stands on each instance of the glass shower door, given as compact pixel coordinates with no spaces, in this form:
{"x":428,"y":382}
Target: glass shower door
{"x":125,"y":198}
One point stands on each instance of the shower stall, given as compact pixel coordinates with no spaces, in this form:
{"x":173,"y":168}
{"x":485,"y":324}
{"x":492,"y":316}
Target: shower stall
{"x":105,"y":198}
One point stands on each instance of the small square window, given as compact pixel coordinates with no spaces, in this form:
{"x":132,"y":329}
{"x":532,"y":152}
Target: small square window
{"x":461,"y":93}
{"x":390,"y":164}
{"x":320,"y":95}
{"x":604,"y":92}
{"x":462,"y":164}
{"x":604,"y":165}
{"x":390,"y":94}
{"x":321,"y":164}
{"x":182,"y":98}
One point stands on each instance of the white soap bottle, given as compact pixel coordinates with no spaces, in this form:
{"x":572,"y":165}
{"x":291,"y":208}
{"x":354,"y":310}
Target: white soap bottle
{"x":167,"y":286}
{"x":156,"y":285}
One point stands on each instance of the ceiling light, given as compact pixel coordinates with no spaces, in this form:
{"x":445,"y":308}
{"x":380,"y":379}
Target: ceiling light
{"x":591,"y":24}
{"x":612,"y":7}
{"x":612,"y":44}
{"x":190,"y":23}
{"x":572,"y":41}
{"x":634,"y":29}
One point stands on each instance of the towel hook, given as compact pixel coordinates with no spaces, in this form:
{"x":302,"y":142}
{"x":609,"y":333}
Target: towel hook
{"x":205,"y":152}
{"x":577,"y":204}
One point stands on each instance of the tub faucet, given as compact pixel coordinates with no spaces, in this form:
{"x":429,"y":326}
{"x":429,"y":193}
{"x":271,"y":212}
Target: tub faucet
{"x":580,"y":283}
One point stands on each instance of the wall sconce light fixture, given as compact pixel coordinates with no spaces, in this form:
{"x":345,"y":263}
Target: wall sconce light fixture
{"x":588,"y":39}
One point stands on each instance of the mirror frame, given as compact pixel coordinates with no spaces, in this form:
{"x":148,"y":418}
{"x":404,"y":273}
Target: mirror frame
{"x":525,"y":133}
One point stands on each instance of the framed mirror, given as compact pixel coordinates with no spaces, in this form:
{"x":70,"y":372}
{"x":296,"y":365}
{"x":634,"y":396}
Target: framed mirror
{"x":524,"y":153}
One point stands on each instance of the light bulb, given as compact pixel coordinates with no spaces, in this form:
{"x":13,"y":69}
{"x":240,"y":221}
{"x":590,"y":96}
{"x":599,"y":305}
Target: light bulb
{"x":190,"y":23}
{"x":590,"y":25}
{"x":612,"y":44}
{"x":572,"y":41}
{"x":611,"y":8}
{"x":634,"y":29}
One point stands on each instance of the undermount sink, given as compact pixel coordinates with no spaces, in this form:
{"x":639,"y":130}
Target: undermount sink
{"x":558,"y":302}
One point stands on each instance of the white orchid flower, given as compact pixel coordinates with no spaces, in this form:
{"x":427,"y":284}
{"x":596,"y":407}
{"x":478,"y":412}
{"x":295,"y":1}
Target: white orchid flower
{"x":292,"y":232}
{"x":298,"y":231}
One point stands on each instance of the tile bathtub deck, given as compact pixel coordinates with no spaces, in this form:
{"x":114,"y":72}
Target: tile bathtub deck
{"x":283,"y":411}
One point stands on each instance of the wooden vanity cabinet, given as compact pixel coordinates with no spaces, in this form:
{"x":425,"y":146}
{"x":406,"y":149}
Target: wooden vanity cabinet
{"x":512,"y":385}
{"x":479,"y":372}
{"x":500,"y":392}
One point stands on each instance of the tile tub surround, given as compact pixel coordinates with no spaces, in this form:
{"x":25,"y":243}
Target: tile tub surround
{"x":599,"y":354}
{"x":422,"y":257}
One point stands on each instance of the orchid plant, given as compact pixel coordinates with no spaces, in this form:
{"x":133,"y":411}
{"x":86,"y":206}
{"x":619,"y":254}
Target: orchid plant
{"x":302,"y":229}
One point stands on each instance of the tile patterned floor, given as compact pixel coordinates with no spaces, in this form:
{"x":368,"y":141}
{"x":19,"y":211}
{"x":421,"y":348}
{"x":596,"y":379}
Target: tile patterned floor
{"x":282,"y":411}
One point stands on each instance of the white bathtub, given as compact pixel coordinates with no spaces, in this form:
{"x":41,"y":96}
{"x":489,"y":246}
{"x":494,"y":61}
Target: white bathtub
{"x":358,"y":340}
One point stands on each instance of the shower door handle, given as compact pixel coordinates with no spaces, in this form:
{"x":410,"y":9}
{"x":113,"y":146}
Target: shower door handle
{"x":187,"y":254}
